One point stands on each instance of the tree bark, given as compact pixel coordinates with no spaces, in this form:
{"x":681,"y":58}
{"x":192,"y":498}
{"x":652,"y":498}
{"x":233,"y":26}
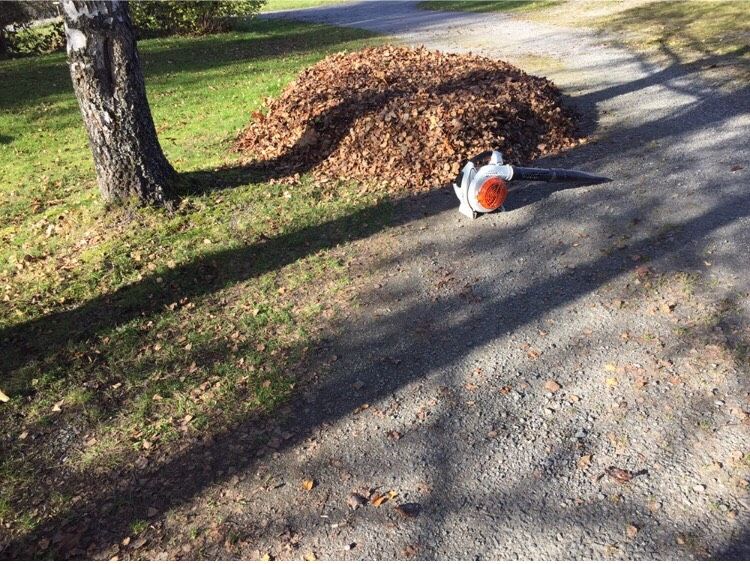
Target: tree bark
{"x":108,"y":83}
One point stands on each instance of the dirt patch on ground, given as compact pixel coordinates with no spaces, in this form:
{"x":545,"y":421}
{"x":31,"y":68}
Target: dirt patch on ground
{"x":406,"y":117}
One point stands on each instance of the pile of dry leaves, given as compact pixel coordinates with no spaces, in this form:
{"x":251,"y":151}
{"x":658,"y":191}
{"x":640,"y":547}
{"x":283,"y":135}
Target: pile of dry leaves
{"x":405,"y":117}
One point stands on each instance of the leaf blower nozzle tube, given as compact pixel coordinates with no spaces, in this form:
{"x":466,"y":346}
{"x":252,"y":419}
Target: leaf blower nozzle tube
{"x":554,"y":175}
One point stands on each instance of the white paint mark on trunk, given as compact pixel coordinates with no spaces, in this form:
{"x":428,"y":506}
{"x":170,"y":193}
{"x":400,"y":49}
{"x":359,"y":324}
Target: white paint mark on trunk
{"x":89,"y":11}
{"x":76,"y":40}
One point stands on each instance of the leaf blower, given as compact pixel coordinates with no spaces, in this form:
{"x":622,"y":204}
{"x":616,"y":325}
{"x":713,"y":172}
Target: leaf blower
{"x":483,"y":189}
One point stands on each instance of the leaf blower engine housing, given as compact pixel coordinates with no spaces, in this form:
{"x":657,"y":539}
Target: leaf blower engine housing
{"x":483,"y":189}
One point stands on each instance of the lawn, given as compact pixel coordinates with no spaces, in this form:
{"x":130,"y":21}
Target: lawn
{"x":129,"y":333}
{"x":273,"y":5}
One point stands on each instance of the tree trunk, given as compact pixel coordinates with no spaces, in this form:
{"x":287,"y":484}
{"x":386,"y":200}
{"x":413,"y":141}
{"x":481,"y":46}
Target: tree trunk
{"x":108,"y":83}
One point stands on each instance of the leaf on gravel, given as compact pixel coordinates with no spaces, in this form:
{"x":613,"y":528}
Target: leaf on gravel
{"x":379,"y":500}
{"x":355,"y":500}
{"x":394,"y":435}
{"x":266,"y":557}
{"x":642,"y":271}
{"x":552,"y":386}
{"x":3,"y":397}
{"x":307,"y":485}
{"x":735,"y":168}
{"x":408,"y":509}
{"x":410,"y":551}
{"x":619,"y":475}
{"x":584,"y":461}
{"x":632,"y":531}
{"x":310,"y":557}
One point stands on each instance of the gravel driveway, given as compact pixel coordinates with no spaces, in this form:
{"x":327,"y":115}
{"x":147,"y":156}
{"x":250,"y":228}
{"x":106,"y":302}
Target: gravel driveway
{"x":497,"y":373}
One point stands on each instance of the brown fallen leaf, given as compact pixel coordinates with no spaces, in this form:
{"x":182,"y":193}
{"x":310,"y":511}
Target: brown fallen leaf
{"x":379,"y":500}
{"x":308,"y":484}
{"x":355,"y":500}
{"x":584,"y":461}
{"x":619,"y":475}
{"x":552,"y":386}
{"x":410,"y":551}
{"x":631,"y":531}
{"x":310,"y":557}
{"x":642,"y":271}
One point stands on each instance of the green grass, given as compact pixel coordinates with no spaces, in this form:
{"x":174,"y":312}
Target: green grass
{"x":134,"y":330}
{"x":272,"y":5}
{"x":487,"y":6}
